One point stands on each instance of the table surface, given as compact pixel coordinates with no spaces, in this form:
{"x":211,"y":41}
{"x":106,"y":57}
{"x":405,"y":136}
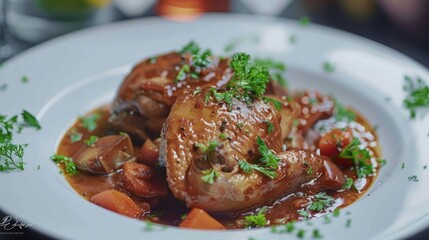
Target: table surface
{"x":379,"y":28}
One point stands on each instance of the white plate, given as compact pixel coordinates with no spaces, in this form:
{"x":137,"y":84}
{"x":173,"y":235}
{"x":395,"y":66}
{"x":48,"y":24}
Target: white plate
{"x":73,"y":74}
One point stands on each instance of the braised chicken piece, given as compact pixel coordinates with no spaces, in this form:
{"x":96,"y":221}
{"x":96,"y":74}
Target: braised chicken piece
{"x":146,"y":95}
{"x":194,"y":123}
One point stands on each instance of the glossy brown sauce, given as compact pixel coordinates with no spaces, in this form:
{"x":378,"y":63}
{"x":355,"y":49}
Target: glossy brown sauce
{"x":168,"y":210}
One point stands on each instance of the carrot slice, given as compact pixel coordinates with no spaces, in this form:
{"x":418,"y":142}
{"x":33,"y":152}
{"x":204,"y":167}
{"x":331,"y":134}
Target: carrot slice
{"x":117,"y":202}
{"x":200,"y":219}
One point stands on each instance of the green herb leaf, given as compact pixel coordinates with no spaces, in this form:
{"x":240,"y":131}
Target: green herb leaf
{"x":67,"y":161}
{"x":360,"y":157}
{"x":328,"y":67}
{"x":181,"y":75}
{"x":417,"y":95}
{"x":257,"y":220}
{"x":321,"y":202}
{"x":90,"y":122}
{"x":413,"y":178}
{"x":277,"y":104}
{"x":270,"y":126}
{"x":75,"y":136}
{"x":91,"y":140}
{"x":348,"y":184}
{"x":30,"y":120}
{"x":211,"y":146}
{"x":341,"y":113}
{"x":268,"y":157}
{"x":24,"y":79}
{"x":248,"y":168}
{"x":210,"y":175}
{"x":304,"y":21}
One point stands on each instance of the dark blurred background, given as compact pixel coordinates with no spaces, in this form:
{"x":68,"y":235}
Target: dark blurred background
{"x":400,"y":24}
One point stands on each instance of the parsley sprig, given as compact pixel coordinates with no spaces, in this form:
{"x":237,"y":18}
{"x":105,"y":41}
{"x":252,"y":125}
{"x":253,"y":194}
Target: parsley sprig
{"x":257,"y":220}
{"x":360,"y":157}
{"x":342,"y":113}
{"x":267,"y":164}
{"x":67,"y":161}
{"x":210,"y":175}
{"x":11,"y":154}
{"x":418,"y":95}
{"x":318,"y":203}
{"x":90,"y":122}
{"x":248,"y":83}
{"x":199,"y":60}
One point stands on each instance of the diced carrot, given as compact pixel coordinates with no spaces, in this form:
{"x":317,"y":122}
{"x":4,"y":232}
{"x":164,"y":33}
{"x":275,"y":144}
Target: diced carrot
{"x":200,"y":219}
{"x":117,"y":202}
{"x":149,"y":153}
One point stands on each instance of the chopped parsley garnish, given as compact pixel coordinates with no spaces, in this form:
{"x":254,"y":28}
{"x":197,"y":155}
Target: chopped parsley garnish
{"x":316,"y":234}
{"x":402,"y":165}
{"x":301,"y":233}
{"x":181,"y":75}
{"x":75,"y":136}
{"x":197,"y":91}
{"x":91,"y":140}
{"x":257,"y":220}
{"x":268,"y":157}
{"x":341,"y":113}
{"x":223,"y":136}
{"x":321,"y":202}
{"x":30,"y":120}
{"x":183,"y":216}
{"x":267,"y":164}
{"x":210,"y":175}
{"x":425,"y":167}
{"x":152,"y":60}
{"x":192,"y":47}
{"x":24,"y":79}
{"x":413,"y":178}
{"x":277,"y":104}
{"x":360,"y":158}
{"x":309,"y":170}
{"x":248,"y":168}
{"x":382,"y":162}
{"x":198,"y":60}
{"x":348,"y":184}
{"x":11,"y":154}
{"x":304,"y":21}
{"x":418,"y":95}
{"x":248,"y":83}
{"x":336,"y":212}
{"x":328,"y":67}
{"x":304,"y":213}
{"x":348,"y":223}
{"x":67,"y":161}
{"x":211,"y":146}
{"x":270,"y":126}
{"x":90,"y":122}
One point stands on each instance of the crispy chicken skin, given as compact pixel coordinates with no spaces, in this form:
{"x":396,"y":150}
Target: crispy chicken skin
{"x":146,"y":95}
{"x":193,"y":121}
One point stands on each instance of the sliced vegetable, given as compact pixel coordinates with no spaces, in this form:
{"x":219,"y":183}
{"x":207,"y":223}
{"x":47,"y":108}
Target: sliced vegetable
{"x":142,"y":180}
{"x":200,"y":219}
{"x":149,"y":153}
{"x":106,"y":155}
{"x":117,"y":202}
